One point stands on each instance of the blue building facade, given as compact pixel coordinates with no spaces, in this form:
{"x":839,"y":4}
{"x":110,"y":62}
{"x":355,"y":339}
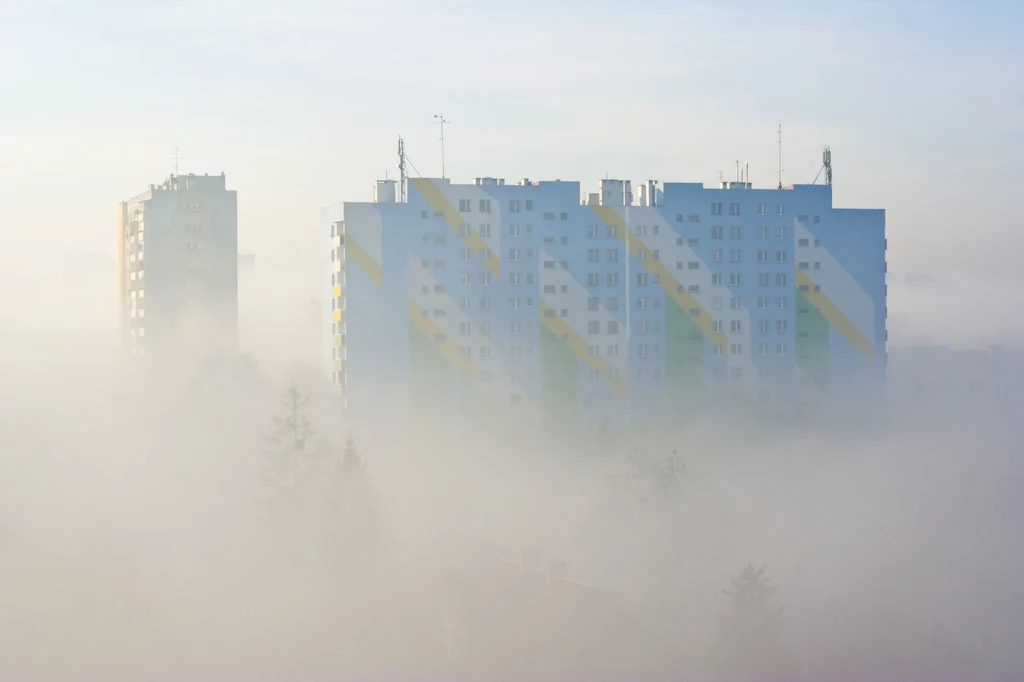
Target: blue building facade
{"x":533,"y":302}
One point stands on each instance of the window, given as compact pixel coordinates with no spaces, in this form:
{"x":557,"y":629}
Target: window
{"x":513,"y":303}
{"x":780,"y":256}
{"x":463,"y":304}
{"x":716,"y":303}
{"x":716,"y":231}
{"x":817,"y":265}
{"x":801,"y":218}
{"x":679,"y":217}
{"x":735,"y":232}
{"x":693,"y":265}
{"x":612,"y":351}
{"x":465,"y":230}
{"x":802,"y":242}
{"x":641,"y":303}
{"x":735,"y":326}
{"x":485,"y":278}
{"x":762,"y":232}
{"x":716,"y":279}
{"x":656,"y":253}
{"x":594,"y":350}
{"x":563,"y":216}
{"x":735,"y":279}
{"x":762,"y":209}
{"x":762,"y":302}
{"x":513,"y":205}
{"x":716,"y":327}
{"x":529,"y":204}
{"x":716,"y":255}
{"x":464,"y":329}
{"x":762,"y":349}
{"x":593,"y":255}
{"x":694,"y":312}
{"x":612,"y":303}
{"x":515,"y":278}
{"x":613,"y":327}
{"x":780,"y":233}
{"x":780,"y":349}
{"x":804,"y":265}
{"x":513,"y":230}
{"x":549,"y":265}
{"x":592,"y":231}
{"x":514,"y":254}
{"x":693,"y":218}
{"x":762,"y":256}
{"x":804,"y":311}
{"x":613,"y":279}
{"x":194,"y":208}
{"x":693,"y":289}
{"x":735,"y":303}
{"x":736,"y":349}
{"x":717,"y":350}
{"x":641,"y":350}
{"x":485,"y":328}
{"x":485,"y":205}
{"x":780,"y":302}
{"x":734,"y":209}
{"x":464,"y":254}
{"x":780,"y":209}
{"x":485,"y":230}
{"x":679,"y":265}
{"x":764,"y":326}
{"x":593,"y":279}
{"x":817,"y":242}
{"x":781,"y":279}
{"x":593,"y":303}
{"x":716,"y":209}
{"x":735,"y":256}
{"x":464,"y":279}
{"x":782,"y":326}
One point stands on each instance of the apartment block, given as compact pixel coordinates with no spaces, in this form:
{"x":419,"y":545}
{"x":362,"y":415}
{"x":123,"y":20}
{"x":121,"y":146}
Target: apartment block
{"x":178,"y":267}
{"x":629,"y":307}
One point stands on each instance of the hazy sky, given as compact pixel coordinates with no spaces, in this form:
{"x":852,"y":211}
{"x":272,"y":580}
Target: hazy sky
{"x":300,"y":103}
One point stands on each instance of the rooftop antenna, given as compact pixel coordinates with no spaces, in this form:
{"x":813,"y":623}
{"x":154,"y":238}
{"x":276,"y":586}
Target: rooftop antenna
{"x":443,"y":120}
{"x":401,"y":167}
{"x":826,"y":165}
{"x":737,"y":170}
{"x":780,"y":156}
{"x":177,"y":158}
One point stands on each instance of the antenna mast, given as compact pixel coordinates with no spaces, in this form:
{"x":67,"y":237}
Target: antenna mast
{"x":401,"y":168}
{"x":442,"y":119}
{"x":780,"y":156}
{"x":826,"y":157}
{"x":177,"y":157}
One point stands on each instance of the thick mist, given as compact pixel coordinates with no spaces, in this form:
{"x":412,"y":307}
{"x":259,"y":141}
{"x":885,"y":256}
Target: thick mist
{"x":161,"y":525}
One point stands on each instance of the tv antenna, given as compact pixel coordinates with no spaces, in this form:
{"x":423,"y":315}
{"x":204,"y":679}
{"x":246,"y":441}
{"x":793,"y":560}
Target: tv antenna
{"x":401,"y":168}
{"x":826,"y":165}
{"x":442,"y":120}
{"x":780,"y":155}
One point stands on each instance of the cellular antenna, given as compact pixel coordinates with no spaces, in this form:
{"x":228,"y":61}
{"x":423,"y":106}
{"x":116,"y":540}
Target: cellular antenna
{"x":401,"y":168}
{"x":442,"y":120}
{"x":826,"y":165}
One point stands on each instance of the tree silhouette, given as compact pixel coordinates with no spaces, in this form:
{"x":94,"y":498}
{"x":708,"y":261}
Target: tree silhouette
{"x":751,"y":640}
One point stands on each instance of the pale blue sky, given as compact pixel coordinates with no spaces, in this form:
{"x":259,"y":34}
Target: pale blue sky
{"x":301,"y":104}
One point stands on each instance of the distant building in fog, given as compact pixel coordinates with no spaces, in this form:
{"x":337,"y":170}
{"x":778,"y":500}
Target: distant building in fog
{"x":178,"y":267}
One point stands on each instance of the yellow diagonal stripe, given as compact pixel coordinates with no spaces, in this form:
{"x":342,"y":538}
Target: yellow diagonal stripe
{"x":669,"y":283}
{"x":835,"y":316}
{"x":474,"y":241}
{"x":578,"y":345}
{"x":358,"y":255}
{"x":448,"y":348}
